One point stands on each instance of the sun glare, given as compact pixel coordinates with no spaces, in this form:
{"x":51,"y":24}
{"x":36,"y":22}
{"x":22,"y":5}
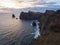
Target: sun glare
{"x":8,"y":4}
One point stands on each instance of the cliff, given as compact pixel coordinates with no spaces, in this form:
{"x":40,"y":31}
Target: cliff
{"x":29,"y":15}
{"x":49,"y":26}
{"x":50,"y":29}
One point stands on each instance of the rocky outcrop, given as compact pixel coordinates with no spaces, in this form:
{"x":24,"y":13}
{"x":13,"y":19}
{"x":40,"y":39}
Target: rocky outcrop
{"x":50,"y":29}
{"x":29,"y":15}
{"x":49,"y":26}
{"x":34,"y":15}
{"x":13,"y":16}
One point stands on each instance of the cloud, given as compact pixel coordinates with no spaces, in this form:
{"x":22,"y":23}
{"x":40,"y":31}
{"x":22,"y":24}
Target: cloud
{"x":28,"y":3}
{"x":47,"y":3}
{"x":4,"y":11}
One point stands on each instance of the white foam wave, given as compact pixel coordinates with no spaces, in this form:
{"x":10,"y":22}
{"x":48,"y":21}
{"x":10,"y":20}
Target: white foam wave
{"x":37,"y":31}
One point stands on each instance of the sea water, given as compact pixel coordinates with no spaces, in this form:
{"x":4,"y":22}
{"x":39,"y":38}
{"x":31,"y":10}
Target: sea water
{"x":15,"y":31}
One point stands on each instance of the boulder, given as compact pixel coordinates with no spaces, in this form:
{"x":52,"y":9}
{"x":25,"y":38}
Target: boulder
{"x":13,"y":16}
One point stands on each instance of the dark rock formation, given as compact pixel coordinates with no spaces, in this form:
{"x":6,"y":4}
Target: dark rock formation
{"x":16,"y":18}
{"x":48,"y":20}
{"x":50,"y":29}
{"x":13,"y":16}
{"x":54,"y":20}
{"x":29,"y":15}
{"x":49,"y":26}
{"x":34,"y":23}
{"x":49,"y":12}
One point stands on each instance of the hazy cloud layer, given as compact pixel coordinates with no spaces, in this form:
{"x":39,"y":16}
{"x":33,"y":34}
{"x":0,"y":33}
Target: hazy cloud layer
{"x":28,"y":3}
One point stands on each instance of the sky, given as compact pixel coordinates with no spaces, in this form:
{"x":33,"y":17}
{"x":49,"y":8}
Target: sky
{"x":19,"y":4}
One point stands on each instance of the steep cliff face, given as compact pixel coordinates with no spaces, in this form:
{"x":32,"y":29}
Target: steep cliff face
{"x":49,"y":26}
{"x":50,"y":29}
{"x":29,"y":15}
{"x":53,"y":22}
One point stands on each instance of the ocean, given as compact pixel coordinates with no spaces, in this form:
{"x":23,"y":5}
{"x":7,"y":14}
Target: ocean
{"x":15,"y":31}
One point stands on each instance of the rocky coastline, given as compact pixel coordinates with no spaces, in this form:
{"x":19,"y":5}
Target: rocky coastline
{"x":49,"y":26}
{"x":29,"y":15}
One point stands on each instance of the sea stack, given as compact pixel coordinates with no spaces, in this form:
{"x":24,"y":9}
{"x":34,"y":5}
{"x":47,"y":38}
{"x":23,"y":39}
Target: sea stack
{"x":13,"y":16}
{"x":34,"y":23}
